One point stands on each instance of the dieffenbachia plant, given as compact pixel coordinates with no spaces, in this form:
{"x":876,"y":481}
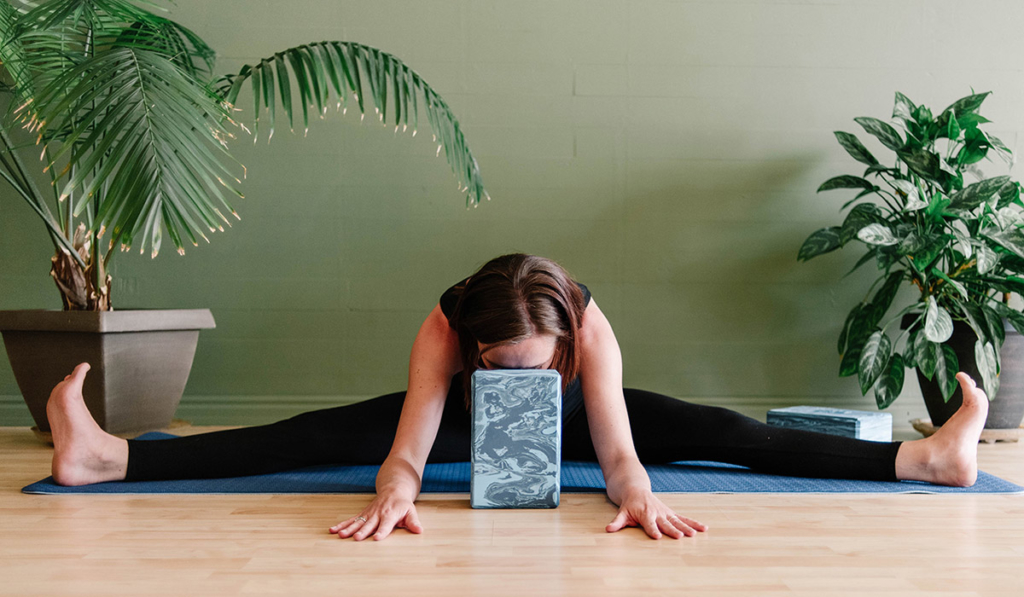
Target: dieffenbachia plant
{"x":958,"y":242}
{"x":132,"y":126}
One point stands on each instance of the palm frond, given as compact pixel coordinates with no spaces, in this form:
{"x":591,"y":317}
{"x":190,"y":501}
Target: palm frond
{"x":92,"y":26}
{"x":147,"y":147}
{"x":331,"y":70}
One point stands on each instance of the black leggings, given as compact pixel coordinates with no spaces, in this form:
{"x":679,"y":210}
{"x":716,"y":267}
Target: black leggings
{"x":664,"y":430}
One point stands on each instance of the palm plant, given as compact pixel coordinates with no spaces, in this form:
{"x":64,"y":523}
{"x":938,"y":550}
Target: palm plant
{"x":133,"y":126}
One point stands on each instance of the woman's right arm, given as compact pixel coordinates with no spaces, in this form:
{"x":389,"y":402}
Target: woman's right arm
{"x":433,"y":362}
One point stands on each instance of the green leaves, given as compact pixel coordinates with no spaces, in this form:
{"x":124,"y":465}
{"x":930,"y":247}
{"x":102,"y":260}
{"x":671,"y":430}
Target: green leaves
{"x":821,"y":242}
{"x":855,"y":148}
{"x":974,"y":195}
{"x":987,"y":259}
{"x":925,"y":353}
{"x":846,"y":182}
{"x":958,"y":242}
{"x":938,"y":325}
{"x":911,"y":194}
{"x":946,"y":368}
{"x":903,"y":108}
{"x":332,"y":71}
{"x":873,"y":359}
{"x":925,"y":164}
{"x":966,"y":105}
{"x":1012,"y":240}
{"x":890,"y":382}
{"x":882,"y":131}
{"x":986,"y":360}
{"x":877,"y":234}
{"x":149,"y":151}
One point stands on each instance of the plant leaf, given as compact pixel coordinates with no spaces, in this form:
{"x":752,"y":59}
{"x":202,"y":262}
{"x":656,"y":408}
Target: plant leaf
{"x":886,"y":294}
{"x":923,"y":162}
{"x":994,"y":323}
{"x":877,"y":234}
{"x":903,"y":108}
{"x":985,"y":358}
{"x":925,"y":354}
{"x":924,"y":256}
{"x":846,"y":181}
{"x":859,"y":217}
{"x":316,"y":68}
{"x":974,"y":195}
{"x":938,"y":325}
{"x":890,"y":382}
{"x":882,"y":130}
{"x":846,"y":326}
{"x":1012,"y":240}
{"x":153,"y":148}
{"x":909,"y":358}
{"x":855,"y":148}
{"x":873,"y":359}
{"x":966,"y":105}
{"x":819,"y":243}
{"x":946,"y":368}
{"x":1016,"y":318}
{"x":987,"y":259}
{"x":912,"y":195}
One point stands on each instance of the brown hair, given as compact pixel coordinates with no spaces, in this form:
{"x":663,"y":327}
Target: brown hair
{"x":512,"y":298}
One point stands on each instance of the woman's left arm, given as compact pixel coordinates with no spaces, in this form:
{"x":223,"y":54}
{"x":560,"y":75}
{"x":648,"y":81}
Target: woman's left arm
{"x":625,"y":478}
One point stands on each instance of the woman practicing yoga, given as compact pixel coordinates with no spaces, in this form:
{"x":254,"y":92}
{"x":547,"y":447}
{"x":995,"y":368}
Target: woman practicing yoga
{"x":517,"y":312}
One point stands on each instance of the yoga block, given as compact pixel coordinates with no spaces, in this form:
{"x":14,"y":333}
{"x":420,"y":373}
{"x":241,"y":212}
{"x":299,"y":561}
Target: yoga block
{"x":858,"y":424}
{"x":517,"y":438}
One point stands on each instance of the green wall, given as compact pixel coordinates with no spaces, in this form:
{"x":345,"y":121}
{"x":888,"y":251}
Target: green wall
{"x":666,"y":153}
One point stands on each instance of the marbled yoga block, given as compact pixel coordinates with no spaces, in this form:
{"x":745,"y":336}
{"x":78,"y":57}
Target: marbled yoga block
{"x":858,"y":424}
{"x":517,"y":438}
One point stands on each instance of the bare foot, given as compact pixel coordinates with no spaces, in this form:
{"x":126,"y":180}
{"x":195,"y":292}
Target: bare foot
{"x":82,"y":452}
{"x":950,"y":456}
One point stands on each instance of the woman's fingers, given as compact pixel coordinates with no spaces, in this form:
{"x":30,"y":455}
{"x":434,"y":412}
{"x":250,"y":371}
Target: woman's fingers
{"x":341,"y":525}
{"x":387,"y":524}
{"x":670,"y":527}
{"x":412,"y":521}
{"x":344,"y":529}
{"x":650,"y":523}
{"x":617,"y":523}
{"x":693,"y":524}
{"x":366,"y":528}
{"x":682,"y":526}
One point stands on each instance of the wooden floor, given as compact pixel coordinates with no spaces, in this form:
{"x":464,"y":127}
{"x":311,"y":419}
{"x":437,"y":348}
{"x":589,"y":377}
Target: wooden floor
{"x":783,"y":544}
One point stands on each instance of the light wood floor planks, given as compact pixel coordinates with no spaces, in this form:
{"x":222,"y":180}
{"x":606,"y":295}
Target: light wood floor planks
{"x":783,"y":544}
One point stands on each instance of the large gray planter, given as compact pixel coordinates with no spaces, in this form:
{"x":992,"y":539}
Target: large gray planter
{"x":140,"y":360}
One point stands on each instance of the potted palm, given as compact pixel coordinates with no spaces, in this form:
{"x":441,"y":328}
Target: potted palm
{"x":930,"y":218}
{"x":133,"y":129}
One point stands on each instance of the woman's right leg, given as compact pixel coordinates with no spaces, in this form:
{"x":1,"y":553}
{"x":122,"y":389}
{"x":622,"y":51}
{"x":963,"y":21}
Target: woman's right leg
{"x":359,"y":433}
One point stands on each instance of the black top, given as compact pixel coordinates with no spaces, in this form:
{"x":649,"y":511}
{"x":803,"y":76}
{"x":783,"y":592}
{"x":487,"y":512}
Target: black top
{"x":572,"y":398}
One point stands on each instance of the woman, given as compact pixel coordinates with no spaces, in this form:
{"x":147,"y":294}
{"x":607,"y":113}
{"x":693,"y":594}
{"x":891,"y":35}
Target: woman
{"x":517,"y":312}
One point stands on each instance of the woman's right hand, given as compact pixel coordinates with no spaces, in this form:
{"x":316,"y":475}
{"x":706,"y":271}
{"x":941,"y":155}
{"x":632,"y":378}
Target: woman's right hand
{"x":384,"y":514}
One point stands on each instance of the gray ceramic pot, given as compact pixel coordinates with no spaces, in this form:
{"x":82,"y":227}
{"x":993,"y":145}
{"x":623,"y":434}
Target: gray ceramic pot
{"x":140,"y":360}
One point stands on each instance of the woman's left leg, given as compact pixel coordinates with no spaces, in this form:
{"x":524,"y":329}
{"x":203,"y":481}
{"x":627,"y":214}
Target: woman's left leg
{"x":666,"y":429}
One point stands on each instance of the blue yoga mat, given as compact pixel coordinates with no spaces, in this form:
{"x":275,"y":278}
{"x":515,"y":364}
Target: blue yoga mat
{"x":577,"y":477}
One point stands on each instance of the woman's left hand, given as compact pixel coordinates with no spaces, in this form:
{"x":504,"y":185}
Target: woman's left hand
{"x":642,"y":508}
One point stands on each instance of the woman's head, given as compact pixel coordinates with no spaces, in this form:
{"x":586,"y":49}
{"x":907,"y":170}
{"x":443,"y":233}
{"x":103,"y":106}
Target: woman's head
{"x":519,"y":311}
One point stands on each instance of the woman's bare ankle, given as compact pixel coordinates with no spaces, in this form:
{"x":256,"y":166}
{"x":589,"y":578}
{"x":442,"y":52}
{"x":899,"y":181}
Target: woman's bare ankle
{"x":83,"y":453}
{"x":950,"y":456}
